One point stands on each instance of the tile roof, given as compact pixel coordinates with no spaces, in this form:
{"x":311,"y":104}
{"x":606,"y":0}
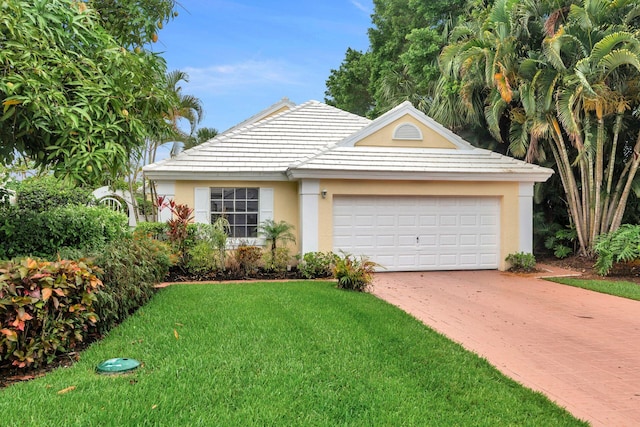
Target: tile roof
{"x":315,"y":140}
{"x":267,"y":146}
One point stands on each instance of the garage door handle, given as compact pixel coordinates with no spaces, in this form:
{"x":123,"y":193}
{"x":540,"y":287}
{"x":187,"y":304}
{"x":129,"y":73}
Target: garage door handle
{"x":417,"y":239}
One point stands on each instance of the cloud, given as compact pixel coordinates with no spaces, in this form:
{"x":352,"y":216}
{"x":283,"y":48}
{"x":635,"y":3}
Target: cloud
{"x":225,"y":78}
{"x":360,"y":6}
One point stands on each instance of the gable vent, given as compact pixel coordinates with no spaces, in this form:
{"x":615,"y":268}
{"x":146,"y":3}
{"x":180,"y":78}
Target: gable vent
{"x":407,"y":131}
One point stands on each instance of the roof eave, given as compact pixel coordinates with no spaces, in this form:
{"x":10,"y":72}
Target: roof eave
{"x":540,"y":176}
{"x":215,"y":176}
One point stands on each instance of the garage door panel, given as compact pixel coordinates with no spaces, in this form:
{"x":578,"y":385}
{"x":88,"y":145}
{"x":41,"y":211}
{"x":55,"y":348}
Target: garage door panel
{"x":448,"y":240}
{"x":488,"y":220}
{"x":406,"y":261}
{"x":386,"y":220}
{"x":428,"y":240}
{"x":469,"y":240}
{"x":468,"y":220}
{"x":448,"y":220}
{"x":419,"y":233}
{"x":427,"y":220}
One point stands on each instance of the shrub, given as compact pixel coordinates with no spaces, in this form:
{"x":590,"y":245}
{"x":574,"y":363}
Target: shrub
{"x":353,"y":273}
{"x":280,"y":263}
{"x":521,"y":261}
{"x":216,"y":235}
{"x":39,"y":194}
{"x":202,"y":258}
{"x":43,"y":234}
{"x":45,"y":308}
{"x":155,"y":230}
{"x":620,"y":246}
{"x":130,"y":269}
{"x":246,"y":259}
{"x":316,"y":265}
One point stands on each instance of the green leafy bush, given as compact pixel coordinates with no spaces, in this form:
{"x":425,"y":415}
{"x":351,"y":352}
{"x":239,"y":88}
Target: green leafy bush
{"x":202,"y":258}
{"x":45,"y":308}
{"x":131,"y":267}
{"x":353,"y":273}
{"x":521,"y":261}
{"x":621,"y":246}
{"x":216,"y":235}
{"x":315,"y":265}
{"x":279,"y":263}
{"x":155,"y":230}
{"x":41,"y":194}
{"x":43,"y":234}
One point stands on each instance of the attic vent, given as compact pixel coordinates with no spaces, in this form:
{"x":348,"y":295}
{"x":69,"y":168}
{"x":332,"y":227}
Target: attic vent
{"x":407,"y":131}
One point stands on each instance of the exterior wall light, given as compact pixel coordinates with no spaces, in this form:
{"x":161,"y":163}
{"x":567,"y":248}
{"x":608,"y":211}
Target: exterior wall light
{"x":324,"y":193}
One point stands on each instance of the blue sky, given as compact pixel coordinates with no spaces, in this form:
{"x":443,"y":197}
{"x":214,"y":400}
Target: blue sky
{"x":243,"y":56}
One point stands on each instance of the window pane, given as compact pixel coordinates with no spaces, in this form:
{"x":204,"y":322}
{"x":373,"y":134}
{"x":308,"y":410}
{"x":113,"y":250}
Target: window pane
{"x":252,"y":219}
{"x":228,"y":193}
{"x":216,"y":193}
{"x":241,"y":193}
{"x":228,"y":206}
{"x":241,"y":206}
{"x":216,"y":206}
{"x":252,"y":232}
{"x":252,"y":194}
{"x":252,"y":206}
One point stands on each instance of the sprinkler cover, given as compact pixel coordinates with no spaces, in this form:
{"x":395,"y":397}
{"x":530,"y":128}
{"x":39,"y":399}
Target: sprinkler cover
{"x":117,"y":365}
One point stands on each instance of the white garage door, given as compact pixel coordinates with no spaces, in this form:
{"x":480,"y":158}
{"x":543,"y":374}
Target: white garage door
{"x":419,"y":233}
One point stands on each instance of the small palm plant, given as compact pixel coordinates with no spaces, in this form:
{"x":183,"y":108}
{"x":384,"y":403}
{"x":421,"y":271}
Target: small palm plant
{"x":275,"y":232}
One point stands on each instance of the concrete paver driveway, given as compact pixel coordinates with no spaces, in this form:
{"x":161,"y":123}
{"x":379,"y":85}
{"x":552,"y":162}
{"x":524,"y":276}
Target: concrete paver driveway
{"x":580,"y":348}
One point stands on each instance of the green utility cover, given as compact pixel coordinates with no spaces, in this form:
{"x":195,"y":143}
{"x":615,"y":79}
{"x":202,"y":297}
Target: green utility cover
{"x":117,"y":366}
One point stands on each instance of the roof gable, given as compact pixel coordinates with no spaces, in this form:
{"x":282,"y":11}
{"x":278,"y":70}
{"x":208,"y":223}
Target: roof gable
{"x":407,"y":127}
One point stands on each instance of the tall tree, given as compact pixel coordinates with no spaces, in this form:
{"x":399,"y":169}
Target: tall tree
{"x":76,"y":95}
{"x":401,"y":63}
{"x":348,"y":86}
{"x":561,"y":80}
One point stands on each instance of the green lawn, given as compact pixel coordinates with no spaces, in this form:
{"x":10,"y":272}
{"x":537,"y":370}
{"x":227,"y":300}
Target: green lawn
{"x":298,"y":353}
{"x":622,"y":289}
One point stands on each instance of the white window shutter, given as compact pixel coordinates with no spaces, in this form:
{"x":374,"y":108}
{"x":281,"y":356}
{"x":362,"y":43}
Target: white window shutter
{"x":266,"y":204}
{"x":202,"y":200}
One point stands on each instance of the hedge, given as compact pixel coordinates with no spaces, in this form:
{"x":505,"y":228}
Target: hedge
{"x":43,"y":234}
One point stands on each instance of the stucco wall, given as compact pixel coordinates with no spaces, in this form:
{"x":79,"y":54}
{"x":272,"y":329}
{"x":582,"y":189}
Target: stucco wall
{"x":508,"y":193}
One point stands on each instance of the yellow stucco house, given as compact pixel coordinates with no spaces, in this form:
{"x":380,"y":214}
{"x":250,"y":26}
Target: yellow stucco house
{"x":401,"y":189}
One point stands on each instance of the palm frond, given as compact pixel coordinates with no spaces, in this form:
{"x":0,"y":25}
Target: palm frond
{"x":493,"y":113}
{"x":565,"y":112}
{"x":580,"y":17}
{"x":605,"y":46}
{"x":618,"y":58}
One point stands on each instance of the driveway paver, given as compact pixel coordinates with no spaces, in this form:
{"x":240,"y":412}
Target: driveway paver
{"x":579,"y":348}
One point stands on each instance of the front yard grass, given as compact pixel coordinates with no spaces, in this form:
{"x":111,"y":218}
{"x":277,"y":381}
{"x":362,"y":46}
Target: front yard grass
{"x":297,"y":353}
{"x":622,"y":289}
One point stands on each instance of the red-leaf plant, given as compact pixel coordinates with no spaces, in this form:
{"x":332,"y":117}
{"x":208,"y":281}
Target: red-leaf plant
{"x":181,"y":216}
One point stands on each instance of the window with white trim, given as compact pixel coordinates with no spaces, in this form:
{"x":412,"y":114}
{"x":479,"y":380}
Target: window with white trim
{"x":240,"y":206}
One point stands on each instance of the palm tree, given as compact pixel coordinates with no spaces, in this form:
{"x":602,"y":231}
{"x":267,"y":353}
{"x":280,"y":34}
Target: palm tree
{"x":275,"y":232}
{"x":185,"y":107}
{"x":202,"y":135}
{"x":570,"y":98}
